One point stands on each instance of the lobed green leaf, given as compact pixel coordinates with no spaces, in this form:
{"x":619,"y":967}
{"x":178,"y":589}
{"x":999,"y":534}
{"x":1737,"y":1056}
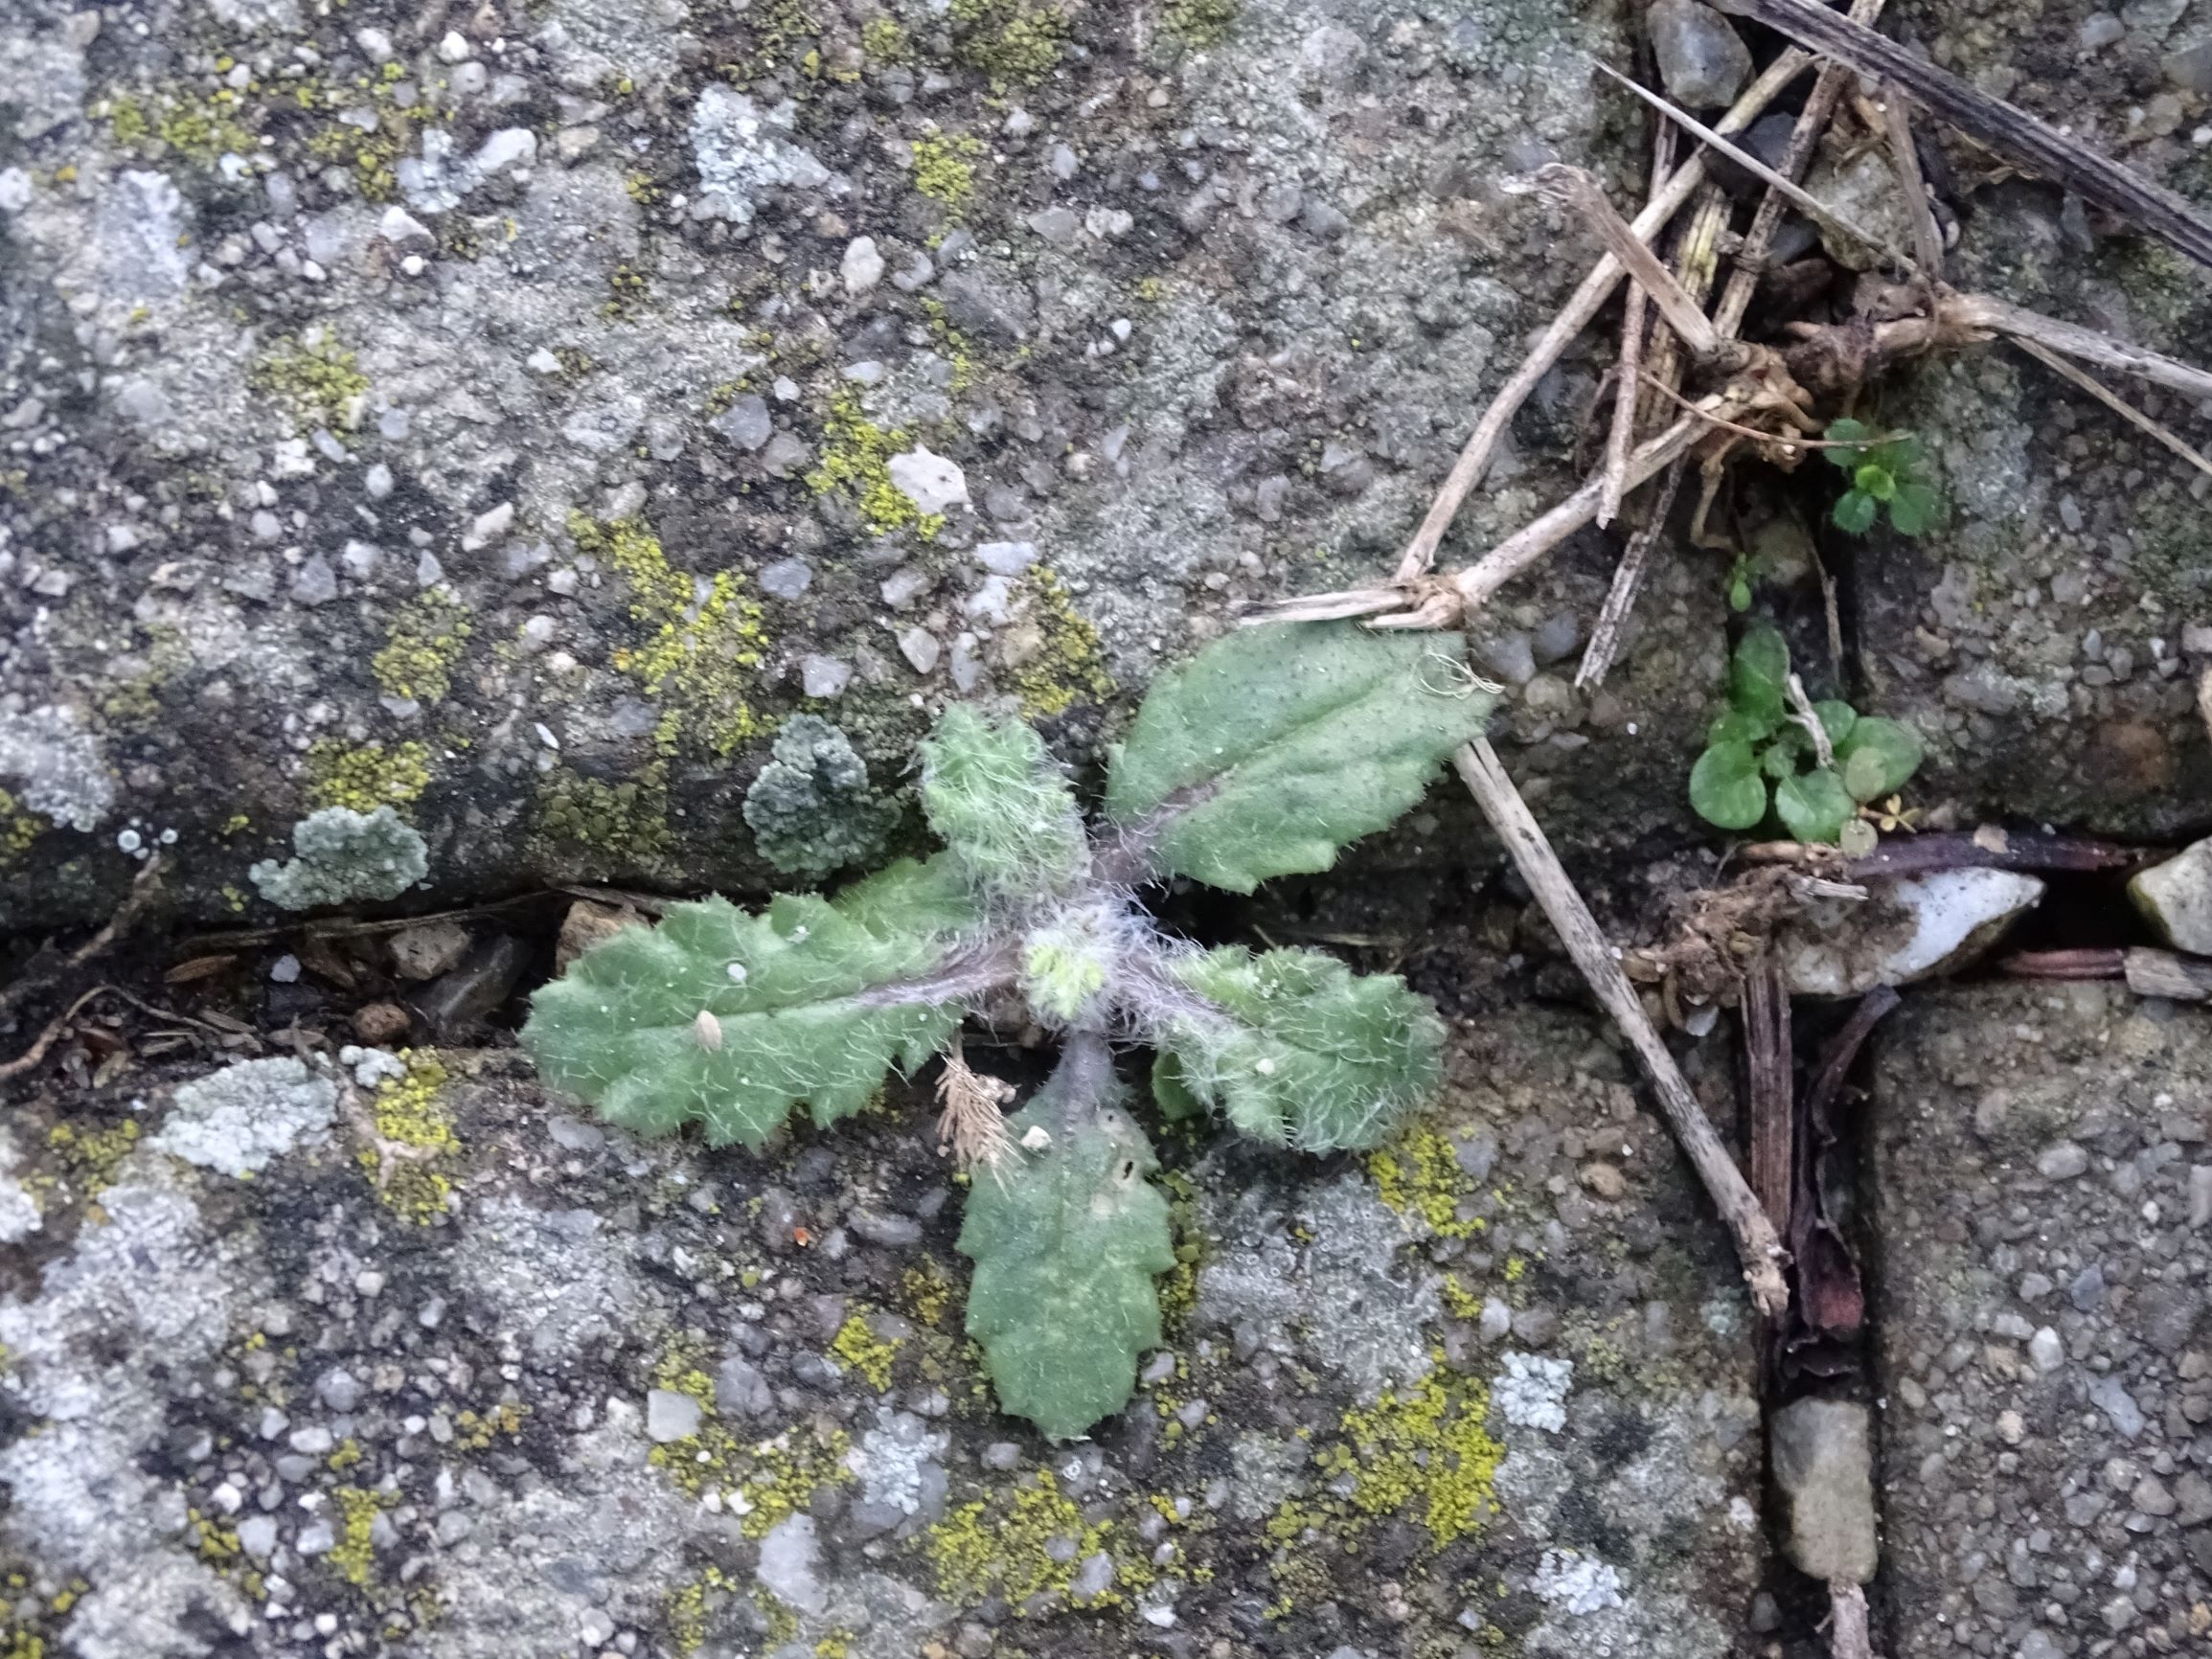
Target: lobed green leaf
{"x":1855,"y":511}
{"x":994,"y":793}
{"x":730,"y":1018}
{"x":1757,"y":674}
{"x":1299,"y":1050}
{"x":1065,"y":1247}
{"x":1274,"y":748}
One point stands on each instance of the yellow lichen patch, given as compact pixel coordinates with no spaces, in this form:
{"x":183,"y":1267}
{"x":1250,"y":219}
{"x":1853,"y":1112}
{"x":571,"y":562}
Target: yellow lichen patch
{"x":473,"y":1431}
{"x":18,"y":829}
{"x":1054,"y":654}
{"x":88,"y":1157}
{"x":945,"y":169}
{"x":416,"y":1132}
{"x":373,"y":154}
{"x":858,"y":1349}
{"x":884,"y":41}
{"x":693,"y":1607}
{"x":1199,"y":22}
{"x":1013,"y":41}
{"x":1027,"y":1545}
{"x":763,"y":1482}
{"x":1179,"y":1288}
{"x":1418,"y":1174}
{"x":200,"y":130}
{"x":857,"y":459}
{"x":346,"y":1454}
{"x":367,"y":775}
{"x":426,"y":641}
{"x":1424,"y":1452}
{"x":354,"y":1555}
{"x":316,"y":376}
{"x":704,"y":647}
{"x":927,"y":1290}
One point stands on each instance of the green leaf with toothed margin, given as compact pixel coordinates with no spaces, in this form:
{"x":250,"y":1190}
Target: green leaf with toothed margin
{"x":1299,"y":1050}
{"x":1274,"y":747}
{"x":730,"y":1018}
{"x":1065,"y":1247}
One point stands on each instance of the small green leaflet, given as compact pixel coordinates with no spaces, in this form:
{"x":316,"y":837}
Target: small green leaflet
{"x":1876,"y":758}
{"x":1813,"y":805}
{"x":1066,"y":1251}
{"x":731,"y":1018}
{"x":992,"y":791}
{"x":1299,"y":1050}
{"x":1757,"y":674}
{"x":1726,"y":786}
{"x":1275,"y":747}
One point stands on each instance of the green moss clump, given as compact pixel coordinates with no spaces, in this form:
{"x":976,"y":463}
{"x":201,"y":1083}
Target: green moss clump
{"x":1014,"y":42}
{"x":702,"y":653}
{"x":316,"y":378}
{"x":857,"y":459}
{"x":945,"y":169}
{"x":624,"y":824}
{"x":425,"y":642}
{"x":1066,"y":664}
{"x":1201,"y":22}
{"x":366,"y":777}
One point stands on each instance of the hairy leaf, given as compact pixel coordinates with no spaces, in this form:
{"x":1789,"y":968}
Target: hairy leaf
{"x":1914,"y":507}
{"x":732,"y":1018}
{"x":1878,"y":756}
{"x":1758,"y":671}
{"x":993,"y":792}
{"x":1855,"y":511}
{"x":1065,"y":1249}
{"x":1274,"y":747}
{"x":1726,"y":787}
{"x":1813,"y":807}
{"x":1299,"y":1050}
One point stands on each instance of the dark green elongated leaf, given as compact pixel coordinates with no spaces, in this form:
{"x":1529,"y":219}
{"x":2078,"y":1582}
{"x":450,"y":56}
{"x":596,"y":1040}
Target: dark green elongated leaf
{"x":1836,"y":719}
{"x":1855,"y":511}
{"x":1726,"y":787}
{"x":1299,"y":1050}
{"x":1758,"y":672}
{"x":1735,"y":726}
{"x":1813,"y":805}
{"x":992,"y":791}
{"x":1877,"y":758}
{"x":732,"y":1018}
{"x":1274,"y":747}
{"x":928,"y":897}
{"x":1065,"y":1249}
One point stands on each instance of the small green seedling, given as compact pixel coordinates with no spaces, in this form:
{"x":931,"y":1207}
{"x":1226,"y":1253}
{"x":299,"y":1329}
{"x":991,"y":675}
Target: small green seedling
{"x":1884,"y":471}
{"x":1263,"y":756}
{"x":1762,"y":751}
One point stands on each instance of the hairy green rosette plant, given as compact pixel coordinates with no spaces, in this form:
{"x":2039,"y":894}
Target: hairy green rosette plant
{"x":1263,"y":756}
{"x":1764,"y":752}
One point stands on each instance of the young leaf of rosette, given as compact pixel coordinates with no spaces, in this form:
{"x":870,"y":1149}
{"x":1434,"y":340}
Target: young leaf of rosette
{"x":1813,"y":805}
{"x":733,"y":1018}
{"x":1065,"y":1248}
{"x":1275,"y":747}
{"x":1299,"y":1050}
{"x":1727,"y":786}
{"x":993,"y":792}
{"x":1758,"y":672}
{"x":1878,"y":756}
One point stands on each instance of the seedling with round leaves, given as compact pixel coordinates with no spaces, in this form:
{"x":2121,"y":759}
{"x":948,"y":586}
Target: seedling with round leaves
{"x":1761,"y":754}
{"x":1884,"y":472}
{"x":1263,"y":756}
